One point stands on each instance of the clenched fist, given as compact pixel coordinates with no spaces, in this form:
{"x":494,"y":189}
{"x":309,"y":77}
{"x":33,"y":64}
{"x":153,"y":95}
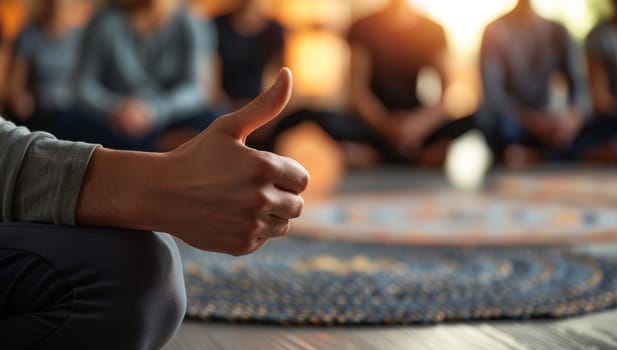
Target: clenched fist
{"x":213,"y":192}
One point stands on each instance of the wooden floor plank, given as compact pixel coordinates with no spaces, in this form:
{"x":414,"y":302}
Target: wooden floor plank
{"x":600,"y":329}
{"x":596,"y":331}
{"x":198,"y":336}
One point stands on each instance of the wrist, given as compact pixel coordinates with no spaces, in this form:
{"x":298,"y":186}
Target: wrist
{"x":117,"y":190}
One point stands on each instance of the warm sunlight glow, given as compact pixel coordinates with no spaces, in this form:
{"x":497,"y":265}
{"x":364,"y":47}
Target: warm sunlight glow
{"x":460,"y":99}
{"x":335,"y":14}
{"x":13,"y":15}
{"x":317,"y":58}
{"x":464,"y":21}
{"x":578,"y":15}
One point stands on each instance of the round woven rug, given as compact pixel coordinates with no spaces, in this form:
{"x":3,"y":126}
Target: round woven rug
{"x":447,"y":218}
{"x":574,"y":187}
{"x":301,"y":281}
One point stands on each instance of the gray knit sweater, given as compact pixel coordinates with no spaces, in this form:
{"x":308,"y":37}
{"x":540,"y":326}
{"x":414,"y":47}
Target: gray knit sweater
{"x":163,"y":69}
{"x":40,"y":176}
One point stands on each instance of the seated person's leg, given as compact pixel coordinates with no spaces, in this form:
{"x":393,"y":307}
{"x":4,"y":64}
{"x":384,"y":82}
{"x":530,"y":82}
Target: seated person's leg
{"x":434,"y":149}
{"x":514,"y":145}
{"x":356,"y":137}
{"x":452,"y":130}
{"x":85,"y":288}
{"x":597,"y":141}
{"x":361,"y":146}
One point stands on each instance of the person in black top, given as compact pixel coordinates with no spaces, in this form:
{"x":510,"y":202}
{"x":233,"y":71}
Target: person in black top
{"x":390,"y":122}
{"x":389,"y":50}
{"x":248,"y":41}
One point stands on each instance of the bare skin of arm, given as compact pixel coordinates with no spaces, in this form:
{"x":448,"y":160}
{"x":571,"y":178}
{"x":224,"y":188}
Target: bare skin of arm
{"x":220,"y":96}
{"x":213,"y":192}
{"x":420,"y":123}
{"x":215,"y":83}
{"x":366,"y":104}
{"x":603,"y":101}
{"x":18,"y":96}
{"x":4,"y":60}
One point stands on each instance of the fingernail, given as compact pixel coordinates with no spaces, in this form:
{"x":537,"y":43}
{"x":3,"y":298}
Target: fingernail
{"x":280,"y":76}
{"x":277,"y":82}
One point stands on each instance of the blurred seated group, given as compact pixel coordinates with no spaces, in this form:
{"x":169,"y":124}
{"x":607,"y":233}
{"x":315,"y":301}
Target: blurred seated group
{"x":148,"y":75}
{"x":524,"y":119}
{"x":132,"y":75}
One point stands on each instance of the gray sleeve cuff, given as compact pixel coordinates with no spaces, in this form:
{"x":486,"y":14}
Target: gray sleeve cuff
{"x":49,"y":181}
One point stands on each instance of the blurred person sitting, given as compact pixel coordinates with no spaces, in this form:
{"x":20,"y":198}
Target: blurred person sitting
{"x":3,"y":67}
{"x":601,"y":48}
{"x":41,"y":69}
{"x":521,"y":55}
{"x":389,"y":51}
{"x":248,"y":42}
{"x":141,"y":73}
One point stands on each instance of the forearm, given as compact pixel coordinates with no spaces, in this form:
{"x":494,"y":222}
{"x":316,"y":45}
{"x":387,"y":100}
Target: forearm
{"x":365,"y":103}
{"x":493,"y":69}
{"x":91,"y":95}
{"x":119,"y":189}
{"x":603,"y":101}
{"x":433,"y":116}
{"x":87,"y":86}
{"x":17,"y":79}
{"x":187,"y":95}
{"x":371,"y":111}
{"x":181,"y":102}
{"x":578,"y":81}
{"x":4,"y":61}
{"x":605,"y":104}
{"x":436,"y":114}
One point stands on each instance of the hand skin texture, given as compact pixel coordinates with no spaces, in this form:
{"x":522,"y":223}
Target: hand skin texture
{"x":213,"y":192}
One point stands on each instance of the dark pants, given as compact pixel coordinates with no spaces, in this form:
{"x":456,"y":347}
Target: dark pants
{"x":349,"y":128}
{"x":595,"y":133}
{"x":86,"y":288}
{"x":78,"y":125}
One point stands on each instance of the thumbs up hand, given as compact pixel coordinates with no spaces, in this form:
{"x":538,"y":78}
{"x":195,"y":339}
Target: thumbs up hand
{"x":224,"y":196}
{"x":213,"y":192}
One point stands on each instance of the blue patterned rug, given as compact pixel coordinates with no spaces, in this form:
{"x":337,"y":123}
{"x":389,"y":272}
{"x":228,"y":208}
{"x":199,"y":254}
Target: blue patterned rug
{"x":307,"y":282}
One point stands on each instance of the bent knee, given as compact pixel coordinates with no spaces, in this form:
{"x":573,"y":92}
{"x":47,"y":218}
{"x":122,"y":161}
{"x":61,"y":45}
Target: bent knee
{"x":128,"y":289}
{"x":148,"y":298}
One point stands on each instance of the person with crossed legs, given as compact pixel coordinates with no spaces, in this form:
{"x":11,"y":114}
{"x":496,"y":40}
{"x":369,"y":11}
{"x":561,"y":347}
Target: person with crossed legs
{"x":80,"y":264}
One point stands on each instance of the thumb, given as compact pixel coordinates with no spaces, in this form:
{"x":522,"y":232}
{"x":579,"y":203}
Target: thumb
{"x":260,"y":111}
